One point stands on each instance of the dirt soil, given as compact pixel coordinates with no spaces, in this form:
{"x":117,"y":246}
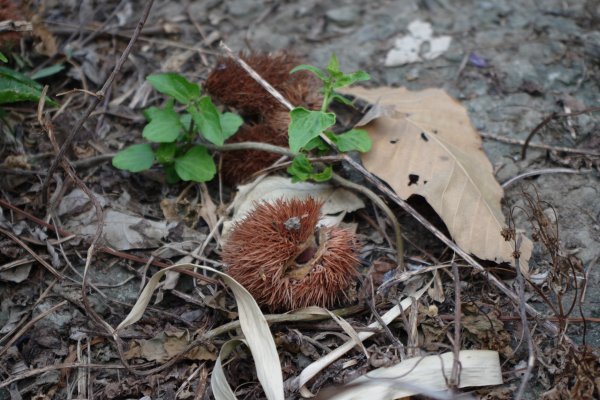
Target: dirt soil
{"x":511,"y":63}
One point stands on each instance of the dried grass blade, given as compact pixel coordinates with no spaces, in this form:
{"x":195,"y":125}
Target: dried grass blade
{"x":252,"y":322}
{"x":313,"y":369}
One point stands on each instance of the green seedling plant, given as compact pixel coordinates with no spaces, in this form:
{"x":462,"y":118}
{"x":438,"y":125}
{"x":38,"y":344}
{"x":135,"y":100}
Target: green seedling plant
{"x":175,"y":138}
{"x":307,"y":126}
{"x":16,"y":87}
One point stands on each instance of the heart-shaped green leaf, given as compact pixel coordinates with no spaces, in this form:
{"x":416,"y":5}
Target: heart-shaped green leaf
{"x":164,"y":126}
{"x":176,"y":86}
{"x":135,"y":158}
{"x":196,"y":165}
{"x":306,"y":125}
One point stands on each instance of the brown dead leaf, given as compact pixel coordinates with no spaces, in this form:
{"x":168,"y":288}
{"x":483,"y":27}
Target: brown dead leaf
{"x":47,"y":44}
{"x":424,"y":144}
{"x":169,"y":344}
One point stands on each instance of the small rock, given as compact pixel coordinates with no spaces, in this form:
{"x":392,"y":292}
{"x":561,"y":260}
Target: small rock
{"x":412,"y":75}
{"x":240,"y":8}
{"x":343,"y":16}
{"x":267,"y":40}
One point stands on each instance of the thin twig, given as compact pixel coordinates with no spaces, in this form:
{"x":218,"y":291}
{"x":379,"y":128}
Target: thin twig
{"x":266,"y":85}
{"x":28,"y":325}
{"x":384,"y":207}
{"x":370,"y":300}
{"x":524,"y":322}
{"x":543,"y":172}
{"x":96,"y":100}
{"x":15,"y":26}
{"x":47,"y":126}
{"x":519,"y":142}
{"x":456,"y":367}
{"x":545,"y":122}
{"x":106,"y":249}
{"x":33,"y":253}
{"x":38,"y":371}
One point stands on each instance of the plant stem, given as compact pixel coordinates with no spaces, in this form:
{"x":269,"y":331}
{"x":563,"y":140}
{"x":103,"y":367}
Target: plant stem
{"x":384,"y":207}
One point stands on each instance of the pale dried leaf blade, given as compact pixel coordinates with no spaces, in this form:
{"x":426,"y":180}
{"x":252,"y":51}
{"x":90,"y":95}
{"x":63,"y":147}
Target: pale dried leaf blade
{"x":313,"y":369}
{"x":218,"y":381}
{"x":428,"y":147}
{"x":345,"y":325}
{"x":252,"y":322}
{"x":425,"y":375}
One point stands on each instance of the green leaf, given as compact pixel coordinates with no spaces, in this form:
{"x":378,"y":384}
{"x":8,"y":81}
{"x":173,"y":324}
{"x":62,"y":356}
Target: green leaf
{"x":196,"y":165}
{"x":48,"y":71}
{"x":230,"y":123}
{"x":349,"y":79}
{"x":302,"y":170}
{"x":3,"y":57}
{"x":186,"y":121}
{"x":135,"y":158}
{"x":208,"y":120}
{"x":324,"y":175}
{"x":15,"y":86}
{"x":165,"y":153}
{"x":354,"y":139}
{"x":316,"y":143}
{"x":314,"y":70}
{"x":176,"y":86}
{"x":334,"y":66}
{"x":341,"y":99}
{"x":164,"y":125}
{"x":306,"y":125}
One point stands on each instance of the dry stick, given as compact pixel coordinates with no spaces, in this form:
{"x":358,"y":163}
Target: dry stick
{"x":509,"y":318}
{"x":99,"y":96}
{"x":542,"y":172}
{"x":28,"y":325}
{"x":550,"y":327}
{"x":47,"y":126}
{"x":38,"y":371}
{"x":508,"y":140}
{"x":15,"y":26}
{"x":367,"y":192}
{"x":456,"y":367}
{"x":384,"y":207}
{"x":524,"y":322}
{"x":33,"y":253}
{"x":545,"y":122}
{"x":106,"y":249}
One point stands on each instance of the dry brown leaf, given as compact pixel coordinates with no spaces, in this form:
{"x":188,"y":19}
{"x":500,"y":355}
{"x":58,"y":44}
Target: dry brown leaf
{"x":169,"y":344}
{"x":424,"y":144}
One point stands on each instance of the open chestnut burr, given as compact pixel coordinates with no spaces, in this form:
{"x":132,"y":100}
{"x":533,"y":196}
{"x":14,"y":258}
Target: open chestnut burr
{"x":285,"y":261}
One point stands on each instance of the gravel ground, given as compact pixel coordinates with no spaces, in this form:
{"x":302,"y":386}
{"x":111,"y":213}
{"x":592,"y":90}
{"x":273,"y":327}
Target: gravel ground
{"x":511,"y":63}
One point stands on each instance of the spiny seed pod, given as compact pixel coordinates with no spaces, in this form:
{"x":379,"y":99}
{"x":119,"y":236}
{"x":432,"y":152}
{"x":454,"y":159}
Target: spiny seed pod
{"x":238,"y":166}
{"x":267,"y":120}
{"x":279,"y":255}
{"x":230,"y":85}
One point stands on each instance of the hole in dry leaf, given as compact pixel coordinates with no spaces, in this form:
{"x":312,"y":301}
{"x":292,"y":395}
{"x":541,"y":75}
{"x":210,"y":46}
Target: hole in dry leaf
{"x":413,"y":179}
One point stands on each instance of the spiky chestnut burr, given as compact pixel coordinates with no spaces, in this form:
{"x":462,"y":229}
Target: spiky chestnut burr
{"x":239,"y":166}
{"x":230,"y":85}
{"x":279,"y":255}
{"x":266,"y":119}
